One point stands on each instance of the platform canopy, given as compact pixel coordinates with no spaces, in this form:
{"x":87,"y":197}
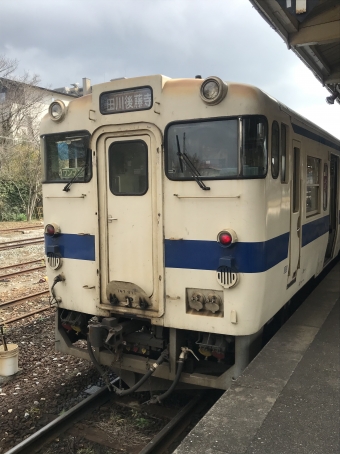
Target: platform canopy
{"x":311,"y":28}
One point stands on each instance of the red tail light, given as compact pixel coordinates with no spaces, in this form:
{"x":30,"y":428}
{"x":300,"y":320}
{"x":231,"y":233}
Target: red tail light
{"x":50,"y":230}
{"x":227,"y":237}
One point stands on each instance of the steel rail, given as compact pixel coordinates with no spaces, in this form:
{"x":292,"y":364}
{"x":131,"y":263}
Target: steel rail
{"x":23,"y":271}
{"x":171,"y":426}
{"x":20,"y":264}
{"x":68,"y":419}
{"x":4,"y":246}
{"x":27,"y":297}
{"x":28,"y":314}
{"x":59,"y":425}
{"x":22,"y":241}
{"x":17,"y":229}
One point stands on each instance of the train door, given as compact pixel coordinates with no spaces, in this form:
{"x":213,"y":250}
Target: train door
{"x":295,"y":214}
{"x":130,"y":219}
{"x":129,"y":211}
{"x":333,"y":209}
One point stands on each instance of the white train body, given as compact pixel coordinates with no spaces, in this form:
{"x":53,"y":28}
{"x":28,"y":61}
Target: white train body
{"x":138,"y":240}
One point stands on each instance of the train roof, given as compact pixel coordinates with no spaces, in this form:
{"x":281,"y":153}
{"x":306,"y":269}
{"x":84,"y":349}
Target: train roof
{"x":186,"y":86}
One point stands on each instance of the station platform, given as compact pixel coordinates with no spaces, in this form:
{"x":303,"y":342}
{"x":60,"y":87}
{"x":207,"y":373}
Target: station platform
{"x":287,"y":400}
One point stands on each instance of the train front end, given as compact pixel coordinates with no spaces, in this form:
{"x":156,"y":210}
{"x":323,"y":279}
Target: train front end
{"x":155,"y":215}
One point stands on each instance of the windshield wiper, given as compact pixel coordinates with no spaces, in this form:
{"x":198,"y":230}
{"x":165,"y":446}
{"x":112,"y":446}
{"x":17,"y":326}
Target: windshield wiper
{"x":194,"y":172}
{"x":68,"y":185}
{"x":83,"y":168}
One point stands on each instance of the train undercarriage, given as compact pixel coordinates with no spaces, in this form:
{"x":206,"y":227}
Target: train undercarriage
{"x":131,"y":346}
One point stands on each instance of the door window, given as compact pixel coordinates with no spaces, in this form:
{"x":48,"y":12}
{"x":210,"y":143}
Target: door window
{"x":284,"y":166}
{"x":296,"y":181}
{"x":313,"y":185}
{"x":128,"y":167}
{"x":325,"y":186}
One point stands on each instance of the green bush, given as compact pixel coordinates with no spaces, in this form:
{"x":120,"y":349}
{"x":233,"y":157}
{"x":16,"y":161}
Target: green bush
{"x":11,"y":206}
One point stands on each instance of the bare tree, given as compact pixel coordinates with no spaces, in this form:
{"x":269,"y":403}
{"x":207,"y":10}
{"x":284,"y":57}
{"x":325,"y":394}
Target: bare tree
{"x":24,"y":173}
{"x":20,"y":100}
{"x":21,"y":106}
{"x":7,"y":66}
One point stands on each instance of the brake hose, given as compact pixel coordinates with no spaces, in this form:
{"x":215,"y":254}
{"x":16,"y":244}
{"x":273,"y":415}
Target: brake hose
{"x":124,"y":392}
{"x":101,"y":371}
{"x":158,"y":399}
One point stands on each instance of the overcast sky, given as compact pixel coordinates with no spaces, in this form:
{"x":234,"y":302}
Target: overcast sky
{"x":65,"y":40}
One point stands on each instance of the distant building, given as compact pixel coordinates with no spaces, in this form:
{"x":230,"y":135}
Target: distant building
{"x":21,"y":104}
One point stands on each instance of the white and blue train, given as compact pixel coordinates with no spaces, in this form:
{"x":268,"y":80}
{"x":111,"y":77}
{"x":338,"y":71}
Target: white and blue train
{"x":180,"y":216}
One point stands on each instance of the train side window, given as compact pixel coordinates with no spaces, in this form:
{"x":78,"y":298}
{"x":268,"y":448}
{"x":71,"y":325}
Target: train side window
{"x":313,"y":186}
{"x":128,"y":167}
{"x":284,"y":166}
{"x":67,"y":156}
{"x":254,"y":150}
{"x":296,"y":180}
{"x":325,"y":186}
{"x":275,"y":149}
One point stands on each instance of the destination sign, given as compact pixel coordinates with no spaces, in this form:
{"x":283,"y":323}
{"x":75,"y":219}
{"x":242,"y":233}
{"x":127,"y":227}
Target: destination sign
{"x":126,"y":101}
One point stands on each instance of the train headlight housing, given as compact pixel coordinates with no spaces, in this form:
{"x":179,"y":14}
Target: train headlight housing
{"x":227,"y":237}
{"x":52,"y":229}
{"x":213,"y":90}
{"x":57,"y":110}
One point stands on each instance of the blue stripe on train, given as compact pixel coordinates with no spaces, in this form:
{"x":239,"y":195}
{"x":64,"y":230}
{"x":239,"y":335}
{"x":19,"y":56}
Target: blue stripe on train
{"x":201,"y":255}
{"x":313,"y":136}
{"x":314,"y":229}
{"x":72,"y":246}
{"x":248,"y":257}
{"x":205,"y":255}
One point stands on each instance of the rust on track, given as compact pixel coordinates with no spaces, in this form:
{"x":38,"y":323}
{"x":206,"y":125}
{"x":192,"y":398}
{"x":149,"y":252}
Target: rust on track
{"x":24,"y":298}
{"x":21,"y":243}
{"x":11,"y":320}
{"x":22,"y":272}
{"x":19,"y":229}
{"x":21,"y":264}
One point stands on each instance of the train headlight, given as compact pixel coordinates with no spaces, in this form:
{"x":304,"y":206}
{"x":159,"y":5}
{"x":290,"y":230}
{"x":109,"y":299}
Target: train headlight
{"x":227,"y":237}
{"x":57,"y":110}
{"x":52,"y":229}
{"x":213,"y":90}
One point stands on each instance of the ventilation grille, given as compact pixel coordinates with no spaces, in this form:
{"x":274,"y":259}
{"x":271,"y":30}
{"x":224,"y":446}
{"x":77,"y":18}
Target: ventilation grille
{"x":227,"y":277}
{"x":54,"y":261}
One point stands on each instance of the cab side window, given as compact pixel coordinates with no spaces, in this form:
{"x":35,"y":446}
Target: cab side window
{"x":275,"y":158}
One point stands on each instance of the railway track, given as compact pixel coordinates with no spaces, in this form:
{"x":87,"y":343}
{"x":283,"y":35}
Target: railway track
{"x":28,"y":314}
{"x":25,"y":297}
{"x":20,"y":243}
{"x":17,"y":265}
{"x":159,"y":444}
{"x":19,"y":229}
{"x":7,"y":304}
{"x":16,"y":273}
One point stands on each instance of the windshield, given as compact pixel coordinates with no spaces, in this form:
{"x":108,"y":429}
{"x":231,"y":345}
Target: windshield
{"x":213,"y":147}
{"x":67,"y":157}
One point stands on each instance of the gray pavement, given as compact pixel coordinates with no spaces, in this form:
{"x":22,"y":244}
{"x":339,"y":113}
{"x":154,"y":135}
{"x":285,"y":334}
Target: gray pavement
{"x":287,"y":400}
